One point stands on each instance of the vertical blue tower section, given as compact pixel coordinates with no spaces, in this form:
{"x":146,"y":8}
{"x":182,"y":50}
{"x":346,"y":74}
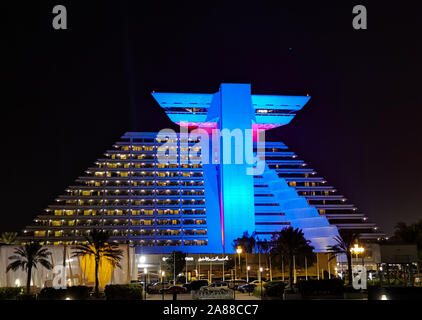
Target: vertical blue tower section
{"x":231,"y":204}
{"x":236,"y":186}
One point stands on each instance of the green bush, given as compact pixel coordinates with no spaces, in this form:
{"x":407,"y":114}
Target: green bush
{"x":395,"y":293}
{"x":257,"y":291}
{"x":123,"y":292}
{"x":74,"y":293}
{"x":274,"y":288}
{"x":27,"y":296}
{"x":7,"y":293}
{"x":79,"y":292}
{"x":321,"y":287}
{"x":374,"y":283}
{"x":52,"y":294}
{"x":350,"y":289}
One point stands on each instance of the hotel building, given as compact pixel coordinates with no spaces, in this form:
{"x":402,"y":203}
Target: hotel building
{"x":198,"y":206}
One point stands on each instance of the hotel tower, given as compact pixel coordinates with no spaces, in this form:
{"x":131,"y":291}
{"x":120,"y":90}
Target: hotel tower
{"x":192,"y":192}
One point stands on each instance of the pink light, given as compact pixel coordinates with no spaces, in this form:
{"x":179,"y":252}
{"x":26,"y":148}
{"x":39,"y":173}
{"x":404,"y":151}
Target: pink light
{"x":207,"y":126}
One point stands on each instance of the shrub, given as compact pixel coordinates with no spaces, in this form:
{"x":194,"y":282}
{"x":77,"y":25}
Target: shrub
{"x":374,"y":283}
{"x":321,"y":287}
{"x":7,"y":293}
{"x":52,"y":294}
{"x":78,"y":292}
{"x":123,"y":292}
{"x":27,"y":296}
{"x":350,"y":289}
{"x":395,"y":293}
{"x":75,"y":293}
{"x":274,"y":288}
{"x":257,"y":291}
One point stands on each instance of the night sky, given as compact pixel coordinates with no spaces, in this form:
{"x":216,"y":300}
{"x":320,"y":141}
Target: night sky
{"x":70,"y":94}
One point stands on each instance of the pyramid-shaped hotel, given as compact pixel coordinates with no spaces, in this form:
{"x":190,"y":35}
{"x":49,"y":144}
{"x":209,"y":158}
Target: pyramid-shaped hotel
{"x":176,"y":191}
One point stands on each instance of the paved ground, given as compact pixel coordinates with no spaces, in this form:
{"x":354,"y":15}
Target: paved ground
{"x":188,"y":296}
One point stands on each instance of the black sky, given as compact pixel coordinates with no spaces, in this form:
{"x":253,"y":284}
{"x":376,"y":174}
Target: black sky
{"x":72,"y":93}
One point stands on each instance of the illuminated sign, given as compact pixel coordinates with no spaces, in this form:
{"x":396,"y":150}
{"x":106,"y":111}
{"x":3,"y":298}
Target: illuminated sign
{"x":208,"y":259}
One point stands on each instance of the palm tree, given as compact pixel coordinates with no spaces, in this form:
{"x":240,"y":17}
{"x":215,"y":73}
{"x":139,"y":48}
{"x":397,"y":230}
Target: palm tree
{"x":291,"y":242}
{"x":97,"y":245}
{"x":411,"y":234}
{"x":343,"y":245}
{"x":28,"y":257}
{"x":9,"y":238}
{"x":247,"y":243}
{"x":262,"y":246}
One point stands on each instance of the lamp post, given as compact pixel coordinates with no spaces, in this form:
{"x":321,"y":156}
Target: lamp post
{"x":163,"y":273}
{"x":174,"y":268}
{"x":248,"y":268}
{"x":357,"y":250}
{"x":235,"y":270}
{"x":260,"y":278}
{"x":145,"y":282}
{"x":306,"y":268}
{"x":210,"y":270}
{"x":282,"y":266}
{"x":186,"y":269}
{"x":239,"y":251}
{"x":223,"y":271}
{"x":246,"y":262}
{"x":271,"y":272}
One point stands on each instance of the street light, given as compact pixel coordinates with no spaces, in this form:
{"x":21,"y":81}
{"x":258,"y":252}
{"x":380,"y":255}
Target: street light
{"x":357,"y":250}
{"x":239,"y":251}
{"x":186,"y":269}
{"x":163,"y":273}
{"x":248,"y":268}
{"x":145,"y":282}
{"x":260,"y":278}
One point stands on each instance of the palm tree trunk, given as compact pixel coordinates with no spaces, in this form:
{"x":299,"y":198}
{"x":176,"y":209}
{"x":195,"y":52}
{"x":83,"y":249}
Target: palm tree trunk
{"x":349,"y":267}
{"x":64,"y":256}
{"x":97,"y":290}
{"x":28,"y":279}
{"x":291,"y":271}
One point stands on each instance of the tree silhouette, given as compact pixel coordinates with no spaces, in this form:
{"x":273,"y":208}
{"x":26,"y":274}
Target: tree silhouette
{"x":29,"y":256}
{"x":290,"y":242}
{"x":175,"y":262}
{"x":9,"y":238}
{"x":97,"y":245}
{"x":343,"y":245}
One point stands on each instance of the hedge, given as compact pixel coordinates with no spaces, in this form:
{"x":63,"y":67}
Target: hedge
{"x":321,"y":287}
{"x":7,"y":293}
{"x":395,"y":293}
{"x":74,"y":293}
{"x":274,"y":288}
{"x":123,"y":292}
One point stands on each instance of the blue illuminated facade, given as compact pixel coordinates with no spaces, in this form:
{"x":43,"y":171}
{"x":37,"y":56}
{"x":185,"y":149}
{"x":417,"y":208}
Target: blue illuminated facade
{"x":199,"y":206}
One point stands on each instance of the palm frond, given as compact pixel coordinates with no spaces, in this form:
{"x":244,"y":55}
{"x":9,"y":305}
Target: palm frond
{"x":28,"y":256}
{"x":15,"y":265}
{"x":46,"y":264}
